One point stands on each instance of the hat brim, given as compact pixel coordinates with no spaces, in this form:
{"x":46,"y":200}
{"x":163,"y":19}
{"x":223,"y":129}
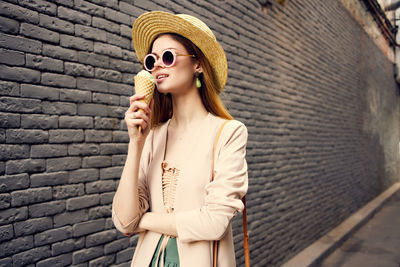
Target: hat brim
{"x":150,"y":24}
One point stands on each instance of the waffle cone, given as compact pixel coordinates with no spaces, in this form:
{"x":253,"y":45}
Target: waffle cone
{"x":145,"y":86}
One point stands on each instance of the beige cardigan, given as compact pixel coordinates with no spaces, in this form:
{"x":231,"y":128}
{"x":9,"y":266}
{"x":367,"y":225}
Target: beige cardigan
{"x":203,"y":209}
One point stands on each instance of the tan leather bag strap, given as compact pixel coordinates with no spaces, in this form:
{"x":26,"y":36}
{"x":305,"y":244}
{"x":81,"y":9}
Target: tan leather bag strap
{"x":245,"y":234}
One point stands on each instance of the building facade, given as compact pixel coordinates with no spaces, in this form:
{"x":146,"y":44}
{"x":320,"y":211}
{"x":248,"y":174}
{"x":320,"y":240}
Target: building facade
{"x":313,"y":85}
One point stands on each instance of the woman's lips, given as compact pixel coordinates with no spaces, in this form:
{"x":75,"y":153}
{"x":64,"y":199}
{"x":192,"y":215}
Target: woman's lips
{"x":161,"y":77}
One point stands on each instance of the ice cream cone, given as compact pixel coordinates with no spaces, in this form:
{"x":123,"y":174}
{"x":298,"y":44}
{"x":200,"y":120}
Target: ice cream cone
{"x":144,"y":84}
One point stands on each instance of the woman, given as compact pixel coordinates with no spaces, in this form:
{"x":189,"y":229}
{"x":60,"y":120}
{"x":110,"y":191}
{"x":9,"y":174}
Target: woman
{"x":165,"y":191}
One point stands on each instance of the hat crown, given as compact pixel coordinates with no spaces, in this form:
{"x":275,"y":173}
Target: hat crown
{"x":197,"y":23}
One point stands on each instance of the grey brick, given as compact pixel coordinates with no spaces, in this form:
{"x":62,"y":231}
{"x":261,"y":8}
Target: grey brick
{"x":14,"y":182}
{"x":118,"y":40}
{"x":82,"y":202}
{"x":58,"y":80}
{"x":120,"y":136}
{"x":109,"y":75}
{"x":63,"y":164}
{"x":20,"y":44}
{"x":11,"y":104}
{"x":11,"y":57}
{"x":106,"y":25}
{"x":6,"y":232}
{"x":25,"y":165}
{"x":108,"y":3}
{"x":92,"y":110}
{"x":9,"y":120}
{"x":41,"y":92}
{"x":5,"y":201}
{"x":125,"y":31}
{"x":49,"y":179}
{"x":92,"y":84}
{"x":93,"y":59}
{"x":31,"y":256}
{"x":8,"y":152}
{"x":60,"y":52}
{"x":74,"y":16}
{"x":37,"y":32}
{"x":116,"y":112}
{"x":123,"y":66}
{"x":44,"y":63}
{"x":116,"y":246}
{"x":108,"y":50}
{"x":96,"y":162}
{"x":100,"y":212}
{"x":105,"y":99}
{"x":118,"y":160}
{"x":66,"y":136}
{"x":100,"y":238}
{"x":9,"y":25}
{"x":76,"y":96}
{"x":111,"y":173}
{"x":85,"y":228}
{"x":102,"y":261}
{"x":59,"y":108}
{"x":16,"y":136}
{"x":9,"y":88}
{"x":90,"y":33}
{"x":128,"y":78}
{"x":108,"y":149}
{"x":56,"y":24}
{"x":68,"y":3}
{"x":53,"y":235}
{"x":76,"y":69}
{"x":29,"y":196}
{"x":121,"y":89}
{"x":78,"y":122}
{"x":100,"y":186}
{"x":16,"y":245}
{"x":129,"y":55}
{"x":48,"y":151}
{"x":6,"y":261}
{"x":106,"y":198}
{"x":117,"y":16}
{"x":32,"y":226}
{"x":47,"y":209}
{"x":106,"y":123}
{"x":2,"y":140}
{"x":61,"y":260}
{"x":13,"y":215}
{"x":83,"y":149}
{"x":89,"y":8}
{"x":76,"y":42}
{"x":124,"y":255}
{"x":98,"y":136}
{"x":19,"y":13}
{"x":130,"y":9}
{"x":87,"y":254}
{"x":19,"y":74}
{"x":67,"y":246}
{"x":70,"y":218}
{"x":39,"y":121}
{"x":39,"y":5}
{"x":68,"y":191}
{"x":83,"y":175}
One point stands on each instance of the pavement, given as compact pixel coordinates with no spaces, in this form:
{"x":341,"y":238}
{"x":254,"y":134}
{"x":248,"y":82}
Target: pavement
{"x":376,"y":244}
{"x":368,"y":238}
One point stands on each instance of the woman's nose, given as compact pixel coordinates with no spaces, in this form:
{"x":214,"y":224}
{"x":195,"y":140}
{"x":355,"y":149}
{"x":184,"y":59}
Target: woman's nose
{"x":158,"y":63}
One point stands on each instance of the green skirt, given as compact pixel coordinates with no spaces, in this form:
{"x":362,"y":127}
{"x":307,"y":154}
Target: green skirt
{"x":171,"y":257}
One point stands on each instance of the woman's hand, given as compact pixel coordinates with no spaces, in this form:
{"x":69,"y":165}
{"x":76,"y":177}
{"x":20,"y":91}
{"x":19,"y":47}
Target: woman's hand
{"x":138,"y":114}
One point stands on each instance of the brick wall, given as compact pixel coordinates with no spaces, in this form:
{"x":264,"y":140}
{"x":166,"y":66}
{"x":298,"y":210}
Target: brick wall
{"x":317,"y":95}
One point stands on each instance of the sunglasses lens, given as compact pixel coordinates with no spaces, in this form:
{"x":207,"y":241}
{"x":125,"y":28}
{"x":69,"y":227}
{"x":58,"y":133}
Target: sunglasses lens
{"x":149,"y":62}
{"x":168,"y":58}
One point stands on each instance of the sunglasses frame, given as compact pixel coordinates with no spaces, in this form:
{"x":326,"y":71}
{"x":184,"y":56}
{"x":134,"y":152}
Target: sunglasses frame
{"x":174,"y":54}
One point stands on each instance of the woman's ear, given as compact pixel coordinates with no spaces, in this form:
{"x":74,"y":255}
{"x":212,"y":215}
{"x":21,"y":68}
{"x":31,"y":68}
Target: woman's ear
{"x":198,"y":68}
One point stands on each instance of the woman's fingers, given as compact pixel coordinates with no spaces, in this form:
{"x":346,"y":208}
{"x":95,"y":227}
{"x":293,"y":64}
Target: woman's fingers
{"x":136,"y":105}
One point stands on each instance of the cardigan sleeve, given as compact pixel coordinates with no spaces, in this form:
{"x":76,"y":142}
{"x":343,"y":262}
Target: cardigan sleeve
{"x":142,"y":188}
{"x":223,"y":195}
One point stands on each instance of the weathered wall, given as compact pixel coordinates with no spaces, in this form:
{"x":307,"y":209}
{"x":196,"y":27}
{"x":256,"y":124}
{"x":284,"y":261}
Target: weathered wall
{"x":317,"y":95}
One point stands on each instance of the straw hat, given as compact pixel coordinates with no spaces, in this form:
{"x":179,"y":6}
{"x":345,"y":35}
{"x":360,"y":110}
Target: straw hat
{"x":150,"y":24}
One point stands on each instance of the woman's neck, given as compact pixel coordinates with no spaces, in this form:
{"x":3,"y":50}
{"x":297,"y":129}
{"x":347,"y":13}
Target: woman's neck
{"x":188,"y":109}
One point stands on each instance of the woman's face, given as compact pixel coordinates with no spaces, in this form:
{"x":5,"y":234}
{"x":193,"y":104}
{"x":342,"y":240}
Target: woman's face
{"x":179,"y":78}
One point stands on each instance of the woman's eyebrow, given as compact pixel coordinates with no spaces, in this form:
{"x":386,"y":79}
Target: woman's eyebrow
{"x":154,"y":53}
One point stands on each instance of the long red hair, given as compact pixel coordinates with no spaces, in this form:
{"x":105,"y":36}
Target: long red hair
{"x":163,"y":110}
